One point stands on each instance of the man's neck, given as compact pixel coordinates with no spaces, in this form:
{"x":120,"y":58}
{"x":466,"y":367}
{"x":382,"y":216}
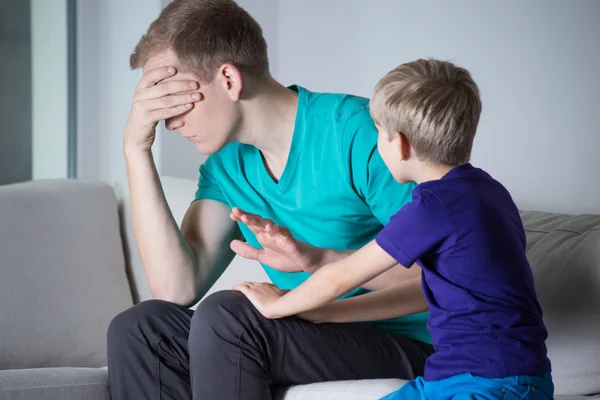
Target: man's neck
{"x":269,"y":119}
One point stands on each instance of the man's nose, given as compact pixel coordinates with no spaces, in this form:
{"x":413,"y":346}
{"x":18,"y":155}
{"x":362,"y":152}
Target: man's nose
{"x":174,"y":123}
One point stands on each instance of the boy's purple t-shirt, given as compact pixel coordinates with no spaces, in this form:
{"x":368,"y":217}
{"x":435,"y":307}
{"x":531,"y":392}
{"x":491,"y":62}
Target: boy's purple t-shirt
{"x":465,"y":232}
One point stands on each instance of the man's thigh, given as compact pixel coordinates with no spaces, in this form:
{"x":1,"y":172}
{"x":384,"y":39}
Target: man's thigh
{"x":293,"y":351}
{"x":327,"y":352}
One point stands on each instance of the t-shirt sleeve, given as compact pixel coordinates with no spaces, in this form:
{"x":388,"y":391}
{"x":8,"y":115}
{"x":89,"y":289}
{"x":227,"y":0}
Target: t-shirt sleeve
{"x":421,"y":229}
{"x":208,"y":187}
{"x":371,"y":178}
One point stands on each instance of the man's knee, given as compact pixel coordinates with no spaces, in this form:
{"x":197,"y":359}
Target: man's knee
{"x":221,"y":304}
{"x":221,"y":313}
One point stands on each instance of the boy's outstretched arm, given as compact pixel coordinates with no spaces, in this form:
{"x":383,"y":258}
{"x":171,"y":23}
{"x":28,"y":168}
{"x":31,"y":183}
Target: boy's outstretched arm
{"x":325,"y":285}
{"x":282,"y":251}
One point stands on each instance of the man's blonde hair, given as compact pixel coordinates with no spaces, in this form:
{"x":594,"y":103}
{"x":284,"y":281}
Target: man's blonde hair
{"x":435,"y":104}
{"x":205,"y":34}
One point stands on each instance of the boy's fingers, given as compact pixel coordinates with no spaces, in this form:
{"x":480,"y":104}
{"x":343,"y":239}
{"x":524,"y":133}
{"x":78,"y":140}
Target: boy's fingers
{"x":256,"y":229}
{"x":241,"y":287}
{"x":245,"y":250}
{"x":251,"y":219}
{"x":256,"y":224}
{"x":270,"y":241}
{"x":277,"y":230}
{"x":239,"y":212}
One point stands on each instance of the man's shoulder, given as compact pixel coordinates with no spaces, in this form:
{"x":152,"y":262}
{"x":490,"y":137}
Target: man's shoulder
{"x":336,"y":106}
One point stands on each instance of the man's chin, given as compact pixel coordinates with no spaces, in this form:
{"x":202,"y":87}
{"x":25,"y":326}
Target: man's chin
{"x":207,"y":149}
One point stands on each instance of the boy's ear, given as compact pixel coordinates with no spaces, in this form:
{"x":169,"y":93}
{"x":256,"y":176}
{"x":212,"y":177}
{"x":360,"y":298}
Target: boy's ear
{"x":230,"y":78}
{"x":402,"y":146}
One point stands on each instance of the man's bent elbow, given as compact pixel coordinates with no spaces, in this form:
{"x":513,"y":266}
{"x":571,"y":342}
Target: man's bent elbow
{"x":182,"y":296}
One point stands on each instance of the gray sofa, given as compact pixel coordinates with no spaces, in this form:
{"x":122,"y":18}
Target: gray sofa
{"x":68,"y":265}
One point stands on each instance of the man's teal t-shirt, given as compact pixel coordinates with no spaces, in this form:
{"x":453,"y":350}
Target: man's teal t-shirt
{"x":335,"y":191}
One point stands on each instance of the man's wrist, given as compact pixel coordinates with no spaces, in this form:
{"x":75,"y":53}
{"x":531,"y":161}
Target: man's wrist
{"x":133,"y":153}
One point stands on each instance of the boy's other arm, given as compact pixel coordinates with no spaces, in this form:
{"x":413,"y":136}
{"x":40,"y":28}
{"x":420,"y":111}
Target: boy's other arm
{"x":393,"y":302}
{"x":325,"y":285}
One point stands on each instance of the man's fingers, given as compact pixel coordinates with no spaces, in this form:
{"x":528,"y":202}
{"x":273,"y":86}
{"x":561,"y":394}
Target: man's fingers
{"x":171,"y":101}
{"x":245,"y":250}
{"x":166,"y":88}
{"x":165,"y":113}
{"x":154,"y":76}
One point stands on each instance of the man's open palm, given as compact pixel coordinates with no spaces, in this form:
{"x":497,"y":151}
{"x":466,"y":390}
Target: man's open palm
{"x":280,"y":250}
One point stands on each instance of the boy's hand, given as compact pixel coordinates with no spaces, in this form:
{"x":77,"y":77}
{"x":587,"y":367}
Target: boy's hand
{"x":280,"y":250}
{"x":155,"y":100}
{"x":261,"y":295}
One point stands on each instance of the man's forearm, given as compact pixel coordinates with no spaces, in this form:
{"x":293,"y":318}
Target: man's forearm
{"x":170,"y":264}
{"x":404,"y":299}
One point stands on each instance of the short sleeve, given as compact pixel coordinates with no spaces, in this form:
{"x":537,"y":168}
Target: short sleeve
{"x":208,"y":187}
{"x":421,"y":229}
{"x":370,"y":176}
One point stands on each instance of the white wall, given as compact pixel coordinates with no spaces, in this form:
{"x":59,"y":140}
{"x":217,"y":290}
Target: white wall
{"x":536,"y":63}
{"x":108,"y":31}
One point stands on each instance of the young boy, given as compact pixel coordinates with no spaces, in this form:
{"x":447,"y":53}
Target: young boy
{"x":462,"y":228}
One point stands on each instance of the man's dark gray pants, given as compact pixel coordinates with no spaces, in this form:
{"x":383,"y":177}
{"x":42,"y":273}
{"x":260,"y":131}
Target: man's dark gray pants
{"x":227,"y":350}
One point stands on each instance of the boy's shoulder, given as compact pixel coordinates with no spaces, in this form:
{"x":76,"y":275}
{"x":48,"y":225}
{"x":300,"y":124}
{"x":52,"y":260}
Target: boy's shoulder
{"x":336,"y":106}
{"x":468,"y":188}
{"x":460,"y":181}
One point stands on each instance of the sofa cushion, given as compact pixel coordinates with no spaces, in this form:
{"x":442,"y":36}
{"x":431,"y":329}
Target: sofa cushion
{"x":347,"y":390}
{"x":564,"y":252}
{"x":62,"y":273}
{"x":360,"y":390}
{"x":54,"y":383}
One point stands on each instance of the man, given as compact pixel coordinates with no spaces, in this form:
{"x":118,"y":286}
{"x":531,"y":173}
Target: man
{"x":305,"y":160}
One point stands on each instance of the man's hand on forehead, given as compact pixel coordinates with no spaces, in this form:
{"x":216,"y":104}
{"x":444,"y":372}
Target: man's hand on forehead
{"x":158,"y":96}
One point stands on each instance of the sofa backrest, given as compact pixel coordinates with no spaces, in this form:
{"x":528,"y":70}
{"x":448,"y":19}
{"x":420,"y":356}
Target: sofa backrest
{"x":564,"y":253}
{"x":62,"y":273}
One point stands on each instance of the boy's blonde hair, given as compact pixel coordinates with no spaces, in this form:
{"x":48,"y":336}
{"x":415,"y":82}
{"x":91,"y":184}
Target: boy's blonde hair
{"x":205,"y":34}
{"x":435,"y":104}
